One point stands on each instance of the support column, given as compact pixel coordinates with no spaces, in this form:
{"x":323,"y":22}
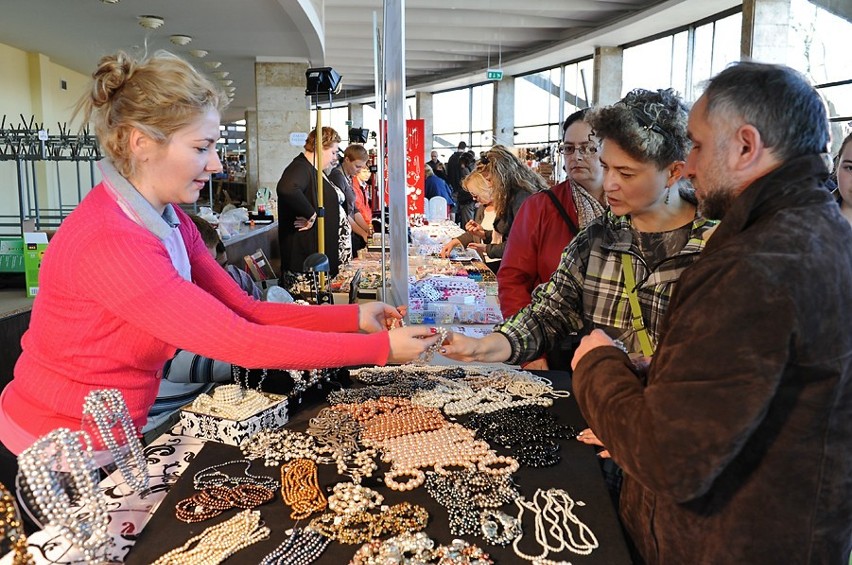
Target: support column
{"x":423,"y":103}
{"x":251,"y":153}
{"x":281,"y":110}
{"x":608,"y":75}
{"x":40,"y":98}
{"x":503,"y":118}
{"x":356,"y":115}
{"x":766,"y":31}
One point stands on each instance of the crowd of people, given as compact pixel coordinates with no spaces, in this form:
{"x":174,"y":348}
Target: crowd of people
{"x":689,"y":273}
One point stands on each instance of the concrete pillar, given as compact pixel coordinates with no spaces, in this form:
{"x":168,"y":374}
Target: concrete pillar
{"x":251,"y":153}
{"x":504,"y":112}
{"x":608,"y":75}
{"x":423,"y":103}
{"x":356,"y":115}
{"x":766,"y":32}
{"x":281,"y":110}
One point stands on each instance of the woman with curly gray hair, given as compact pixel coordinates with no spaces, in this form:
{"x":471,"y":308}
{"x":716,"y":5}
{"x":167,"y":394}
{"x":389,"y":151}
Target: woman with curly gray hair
{"x":619,"y":273}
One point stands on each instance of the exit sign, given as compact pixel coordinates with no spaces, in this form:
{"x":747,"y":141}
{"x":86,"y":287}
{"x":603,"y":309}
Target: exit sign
{"x":493,"y":74}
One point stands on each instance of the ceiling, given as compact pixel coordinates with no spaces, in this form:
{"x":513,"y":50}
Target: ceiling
{"x":448,"y":43}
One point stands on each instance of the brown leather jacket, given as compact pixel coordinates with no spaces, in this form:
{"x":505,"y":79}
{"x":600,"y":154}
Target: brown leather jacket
{"x":739,"y":447}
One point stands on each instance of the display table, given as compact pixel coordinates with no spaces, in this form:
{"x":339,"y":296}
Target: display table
{"x":578,"y":473}
{"x":173,"y":460}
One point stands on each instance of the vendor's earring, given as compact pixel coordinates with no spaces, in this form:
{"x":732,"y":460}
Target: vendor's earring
{"x":668,"y":193}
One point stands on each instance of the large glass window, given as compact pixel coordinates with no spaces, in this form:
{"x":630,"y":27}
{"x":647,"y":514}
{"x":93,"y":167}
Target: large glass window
{"x":821,"y":42}
{"x":684,"y":59}
{"x":545,"y":98}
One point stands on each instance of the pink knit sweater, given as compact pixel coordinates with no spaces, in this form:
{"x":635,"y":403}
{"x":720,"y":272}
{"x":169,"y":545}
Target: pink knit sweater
{"x":111,"y":309}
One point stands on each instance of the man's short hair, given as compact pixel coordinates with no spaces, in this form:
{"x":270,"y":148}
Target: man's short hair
{"x":355,"y":152}
{"x":462,"y":146}
{"x":778,"y":101}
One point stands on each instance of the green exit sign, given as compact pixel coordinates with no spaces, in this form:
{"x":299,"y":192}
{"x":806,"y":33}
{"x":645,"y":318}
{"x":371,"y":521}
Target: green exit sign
{"x":493,"y":74}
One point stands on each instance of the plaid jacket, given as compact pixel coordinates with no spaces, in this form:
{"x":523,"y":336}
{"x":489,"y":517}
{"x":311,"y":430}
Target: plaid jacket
{"x":587,"y":290}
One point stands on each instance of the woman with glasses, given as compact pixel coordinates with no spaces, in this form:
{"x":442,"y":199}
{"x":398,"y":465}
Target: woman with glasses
{"x":651,"y":232}
{"x":546,"y":224}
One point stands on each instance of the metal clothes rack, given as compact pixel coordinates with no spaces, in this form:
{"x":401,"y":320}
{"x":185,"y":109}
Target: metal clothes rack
{"x":30,"y":143}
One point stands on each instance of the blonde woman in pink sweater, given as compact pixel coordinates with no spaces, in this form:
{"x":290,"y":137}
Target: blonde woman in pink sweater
{"x":127,"y":279}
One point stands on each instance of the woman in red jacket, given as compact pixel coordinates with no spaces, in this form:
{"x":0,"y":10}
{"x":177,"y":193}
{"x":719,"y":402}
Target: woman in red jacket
{"x":546,"y":224}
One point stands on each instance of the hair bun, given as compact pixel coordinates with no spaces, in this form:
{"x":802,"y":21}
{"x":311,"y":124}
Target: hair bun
{"x":112,"y":74}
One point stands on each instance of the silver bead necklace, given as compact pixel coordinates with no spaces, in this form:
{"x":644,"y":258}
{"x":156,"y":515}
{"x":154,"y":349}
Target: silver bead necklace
{"x":60,"y":463}
{"x":108,"y":410}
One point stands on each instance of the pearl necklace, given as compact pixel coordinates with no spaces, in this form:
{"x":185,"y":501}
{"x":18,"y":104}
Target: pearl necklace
{"x":40,"y":463}
{"x":108,"y":409}
{"x":556,"y":508}
{"x":217,"y":543}
{"x":303,"y":546}
{"x":231,"y":402}
{"x":213,"y":477}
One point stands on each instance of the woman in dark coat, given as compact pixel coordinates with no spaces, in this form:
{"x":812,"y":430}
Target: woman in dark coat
{"x":297,"y":206}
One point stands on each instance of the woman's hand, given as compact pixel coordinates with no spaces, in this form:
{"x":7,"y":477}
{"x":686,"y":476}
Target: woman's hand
{"x":377,"y":316}
{"x":473,"y":228}
{"x":304,"y":224}
{"x":588,"y":437}
{"x":449,"y":246}
{"x":493,"y":348}
{"x":478,"y":247}
{"x":407,"y":344}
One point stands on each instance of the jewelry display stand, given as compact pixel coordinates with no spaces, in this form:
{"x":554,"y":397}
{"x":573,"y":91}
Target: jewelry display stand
{"x":60,"y":475}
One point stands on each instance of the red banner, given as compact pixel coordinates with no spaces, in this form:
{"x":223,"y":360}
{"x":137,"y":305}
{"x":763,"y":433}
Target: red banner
{"x":415,"y":161}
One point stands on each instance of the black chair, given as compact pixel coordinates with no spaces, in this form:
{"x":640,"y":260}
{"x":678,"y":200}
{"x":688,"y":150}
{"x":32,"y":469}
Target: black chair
{"x":318,"y":263}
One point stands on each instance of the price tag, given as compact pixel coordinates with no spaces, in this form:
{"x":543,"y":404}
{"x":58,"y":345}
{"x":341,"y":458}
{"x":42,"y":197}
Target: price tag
{"x":42,"y":135}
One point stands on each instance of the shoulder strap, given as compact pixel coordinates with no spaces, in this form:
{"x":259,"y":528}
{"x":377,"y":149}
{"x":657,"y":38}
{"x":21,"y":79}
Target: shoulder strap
{"x":635,"y":309}
{"x":571,"y":225}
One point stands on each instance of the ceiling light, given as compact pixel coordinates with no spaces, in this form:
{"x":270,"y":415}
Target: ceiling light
{"x":212,"y":64}
{"x":227,"y":82}
{"x":323,"y":80}
{"x":180,"y":39}
{"x":231,"y":89}
{"x":199,"y":53}
{"x":221,"y":74}
{"x":151,"y":22}
{"x":110,"y":1}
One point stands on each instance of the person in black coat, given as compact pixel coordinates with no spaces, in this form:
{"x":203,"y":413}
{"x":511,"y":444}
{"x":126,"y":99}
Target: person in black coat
{"x":298,"y":209}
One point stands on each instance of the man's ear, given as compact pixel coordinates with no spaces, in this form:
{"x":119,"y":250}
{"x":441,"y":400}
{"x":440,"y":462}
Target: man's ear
{"x":749,"y":146}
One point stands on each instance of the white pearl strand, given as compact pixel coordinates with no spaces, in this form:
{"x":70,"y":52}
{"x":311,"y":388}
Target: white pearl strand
{"x":456,"y":399}
{"x":83,"y":521}
{"x":217,"y":543}
{"x":231,"y":402}
{"x":108,"y":409}
{"x":556,"y":508}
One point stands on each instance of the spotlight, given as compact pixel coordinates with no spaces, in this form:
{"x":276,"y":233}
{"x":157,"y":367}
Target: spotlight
{"x":323,"y":80}
{"x":358,"y":135}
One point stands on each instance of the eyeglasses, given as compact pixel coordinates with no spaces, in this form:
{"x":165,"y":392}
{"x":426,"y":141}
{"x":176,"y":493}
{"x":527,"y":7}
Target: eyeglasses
{"x":584,"y":149}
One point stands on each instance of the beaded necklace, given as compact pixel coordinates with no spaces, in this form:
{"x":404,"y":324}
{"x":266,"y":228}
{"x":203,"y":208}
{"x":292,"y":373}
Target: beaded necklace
{"x":529,"y":431}
{"x":217,"y":543}
{"x":213,"y":476}
{"x":418,"y":549}
{"x":12,"y":530}
{"x":107,"y":409}
{"x":552,"y":510}
{"x":302,"y":546}
{"x":278,"y":446}
{"x":213,"y":501}
{"x":465,"y":493}
{"x":300,"y":488}
{"x":231,"y":402}
{"x":359,"y":527}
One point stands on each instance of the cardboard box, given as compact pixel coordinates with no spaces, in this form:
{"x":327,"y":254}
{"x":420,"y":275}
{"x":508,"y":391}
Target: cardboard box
{"x":35,"y":244}
{"x":11,"y":255}
{"x":233,"y":432}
